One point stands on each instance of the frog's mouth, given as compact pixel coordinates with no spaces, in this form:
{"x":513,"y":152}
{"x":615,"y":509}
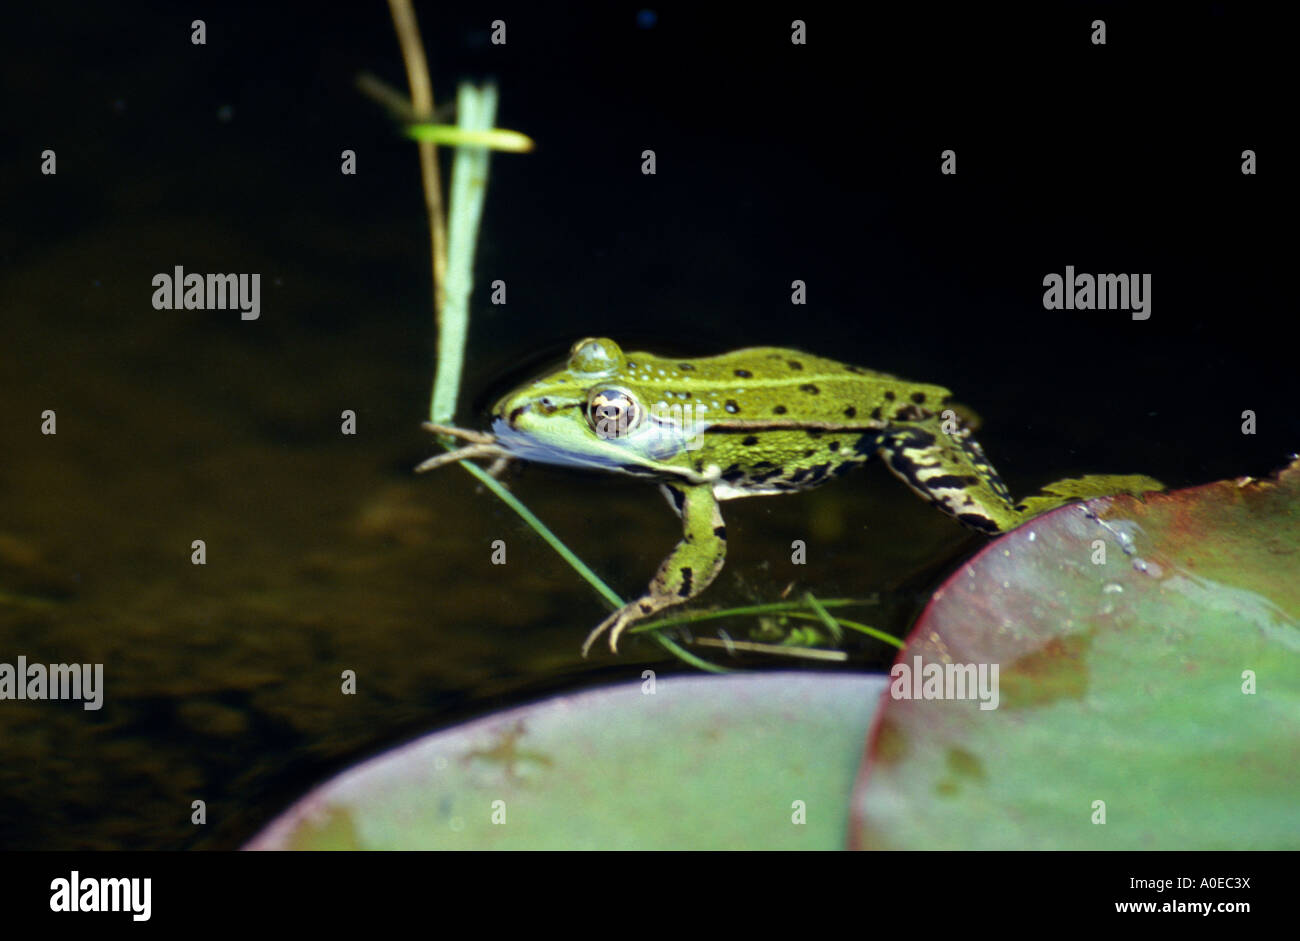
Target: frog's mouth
{"x":506,"y":443}
{"x":524,"y":445}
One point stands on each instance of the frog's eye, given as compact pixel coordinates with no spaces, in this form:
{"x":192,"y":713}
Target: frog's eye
{"x":595,"y":357}
{"x":613,"y":413}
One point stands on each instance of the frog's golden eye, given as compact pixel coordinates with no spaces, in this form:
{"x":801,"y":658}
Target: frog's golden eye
{"x":613,"y":412}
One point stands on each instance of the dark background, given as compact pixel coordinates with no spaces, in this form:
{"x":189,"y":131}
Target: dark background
{"x":775,"y":162}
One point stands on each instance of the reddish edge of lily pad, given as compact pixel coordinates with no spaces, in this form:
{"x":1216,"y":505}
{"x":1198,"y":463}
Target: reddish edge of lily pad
{"x":1148,"y":655}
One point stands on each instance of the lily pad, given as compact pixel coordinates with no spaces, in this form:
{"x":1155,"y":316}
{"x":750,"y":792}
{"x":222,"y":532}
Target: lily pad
{"x":1149,"y":684}
{"x":699,"y":763}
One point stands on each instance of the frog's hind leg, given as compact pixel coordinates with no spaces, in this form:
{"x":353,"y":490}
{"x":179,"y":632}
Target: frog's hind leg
{"x":950,"y":471}
{"x":688,"y":570}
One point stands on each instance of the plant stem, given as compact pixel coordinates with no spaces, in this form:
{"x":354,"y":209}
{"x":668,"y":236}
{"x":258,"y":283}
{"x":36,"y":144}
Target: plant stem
{"x":417,"y":75}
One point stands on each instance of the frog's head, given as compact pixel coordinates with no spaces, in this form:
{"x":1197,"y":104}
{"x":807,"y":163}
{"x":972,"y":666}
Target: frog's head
{"x":587,"y":413}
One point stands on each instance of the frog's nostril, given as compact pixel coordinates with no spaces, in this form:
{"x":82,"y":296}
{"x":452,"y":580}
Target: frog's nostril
{"x":515,"y":413}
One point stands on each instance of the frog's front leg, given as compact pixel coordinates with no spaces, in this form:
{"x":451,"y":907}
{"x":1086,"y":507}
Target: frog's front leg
{"x":687,"y":571}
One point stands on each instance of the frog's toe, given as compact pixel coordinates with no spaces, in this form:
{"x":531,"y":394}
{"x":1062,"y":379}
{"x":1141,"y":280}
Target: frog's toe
{"x":603,"y":626}
{"x":615,"y":632}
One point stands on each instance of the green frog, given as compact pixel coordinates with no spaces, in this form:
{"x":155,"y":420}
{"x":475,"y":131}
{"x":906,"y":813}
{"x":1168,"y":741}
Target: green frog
{"x":754,"y":422}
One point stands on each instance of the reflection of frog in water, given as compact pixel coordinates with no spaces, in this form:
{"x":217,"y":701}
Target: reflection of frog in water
{"x":758,"y":421}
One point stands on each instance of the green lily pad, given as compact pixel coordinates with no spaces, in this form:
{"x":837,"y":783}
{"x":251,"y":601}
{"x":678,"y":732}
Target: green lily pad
{"x":701,"y":763}
{"x":1149,"y":676}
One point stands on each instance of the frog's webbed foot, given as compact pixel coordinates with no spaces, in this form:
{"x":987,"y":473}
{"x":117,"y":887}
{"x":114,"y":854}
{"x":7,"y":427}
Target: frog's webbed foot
{"x":481,"y":444}
{"x":688,"y":570}
{"x":1072,"y":489}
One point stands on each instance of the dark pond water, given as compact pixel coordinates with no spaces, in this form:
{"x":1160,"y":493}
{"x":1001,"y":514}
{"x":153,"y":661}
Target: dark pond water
{"x":775,"y":162}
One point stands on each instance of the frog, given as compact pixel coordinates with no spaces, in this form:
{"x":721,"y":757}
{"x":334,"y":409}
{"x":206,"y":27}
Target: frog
{"x":758,"y":421}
